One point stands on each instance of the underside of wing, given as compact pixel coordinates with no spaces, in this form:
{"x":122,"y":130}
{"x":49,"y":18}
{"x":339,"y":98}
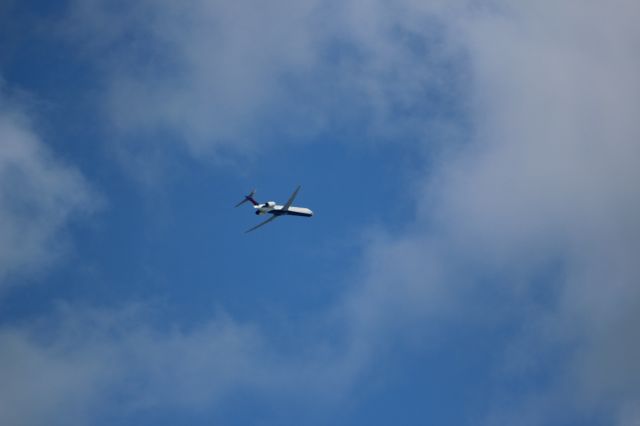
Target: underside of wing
{"x":290,"y":201}
{"x":261,"y":223}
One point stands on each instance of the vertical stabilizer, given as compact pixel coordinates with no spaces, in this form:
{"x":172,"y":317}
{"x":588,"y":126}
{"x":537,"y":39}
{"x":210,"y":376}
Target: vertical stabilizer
{"x":249,"y":198}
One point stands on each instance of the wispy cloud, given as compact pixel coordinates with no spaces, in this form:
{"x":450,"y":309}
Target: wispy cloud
{"x":39,"y":195}
{"x":77,"y":364}
{"x":223,"y":79}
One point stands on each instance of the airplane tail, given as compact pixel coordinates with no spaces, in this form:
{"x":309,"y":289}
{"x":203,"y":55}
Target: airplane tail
{"x":249,"y":198}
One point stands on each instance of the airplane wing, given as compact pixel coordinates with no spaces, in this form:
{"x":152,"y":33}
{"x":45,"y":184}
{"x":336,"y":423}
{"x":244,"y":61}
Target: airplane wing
{"x":261,"y":223}
{"x":290,"y":201}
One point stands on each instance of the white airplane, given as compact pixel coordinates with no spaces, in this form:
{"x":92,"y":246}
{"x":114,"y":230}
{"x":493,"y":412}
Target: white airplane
{"x":274,"y":209}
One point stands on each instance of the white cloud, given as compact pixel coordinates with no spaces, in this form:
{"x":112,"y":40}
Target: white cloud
{"x":38,"y":197}
{"x":548,"y":180}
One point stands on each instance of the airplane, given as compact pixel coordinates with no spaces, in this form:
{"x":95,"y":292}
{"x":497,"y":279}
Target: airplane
{"x":274,"y":209}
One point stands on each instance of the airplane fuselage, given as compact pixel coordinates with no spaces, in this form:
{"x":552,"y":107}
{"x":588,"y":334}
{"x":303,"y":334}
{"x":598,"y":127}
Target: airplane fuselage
{"x":275,"y":209}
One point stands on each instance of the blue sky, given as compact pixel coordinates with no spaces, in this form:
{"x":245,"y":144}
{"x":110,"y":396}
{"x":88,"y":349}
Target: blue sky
{"x":471,"y":165}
